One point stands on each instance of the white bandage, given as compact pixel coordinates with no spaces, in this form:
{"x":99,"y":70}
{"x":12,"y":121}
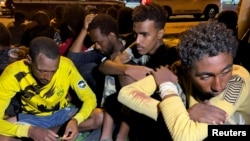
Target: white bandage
{"x":167,"y":88}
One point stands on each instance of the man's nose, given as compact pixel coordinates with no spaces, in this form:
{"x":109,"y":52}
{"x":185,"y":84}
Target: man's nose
{"x":217,"y":85}
{"x":138,"y":39}
{"x":48,"y":75}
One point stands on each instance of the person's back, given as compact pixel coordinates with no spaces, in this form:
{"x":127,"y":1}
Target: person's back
{"x":39,"y":26}
{"x":5,"y":47}
{"x":17,"y":27}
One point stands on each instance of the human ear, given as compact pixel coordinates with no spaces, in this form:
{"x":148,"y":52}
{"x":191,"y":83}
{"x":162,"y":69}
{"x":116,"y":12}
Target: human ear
{"x":112,"y":35}
{"x":160,"y":33}
{"x":28,"y":59}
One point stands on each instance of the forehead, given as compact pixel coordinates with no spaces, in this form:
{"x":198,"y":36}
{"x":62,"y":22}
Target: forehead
{"x":42,"y":62}
{"x":145,"y":26}
{"x":214,"y":64}
{"x":96,"y":35}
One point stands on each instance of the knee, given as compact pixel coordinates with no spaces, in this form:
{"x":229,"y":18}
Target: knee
{"x":97,"y":116}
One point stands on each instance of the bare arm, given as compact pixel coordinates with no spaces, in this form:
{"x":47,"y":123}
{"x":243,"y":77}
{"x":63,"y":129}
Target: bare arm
{"x":110,"y":67}
{"x":39,"y":134}
{"x":136,"y":72}
{"x":77,"y":44}
{"x":206,"y":113}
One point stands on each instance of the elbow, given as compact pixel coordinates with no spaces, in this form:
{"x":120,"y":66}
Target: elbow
{"x":101,"y":68}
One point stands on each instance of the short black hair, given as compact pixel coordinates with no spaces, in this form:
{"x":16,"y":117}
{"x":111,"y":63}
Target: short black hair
{"x":210,"y":39}
{"x":105,"y":23}
{"x":44,"y":45}
{"x":150,"y":11}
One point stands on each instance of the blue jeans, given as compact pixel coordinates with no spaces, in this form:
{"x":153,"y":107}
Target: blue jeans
{"x":56,"y":119}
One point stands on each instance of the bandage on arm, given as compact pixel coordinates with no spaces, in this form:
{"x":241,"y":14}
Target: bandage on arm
{"x":137,"y":97}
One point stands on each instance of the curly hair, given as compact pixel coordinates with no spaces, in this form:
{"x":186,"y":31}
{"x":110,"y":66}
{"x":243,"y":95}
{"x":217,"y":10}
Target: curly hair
{"x":211,"y":38}
{"x":105,"y":23}
{"x":150,"y":11}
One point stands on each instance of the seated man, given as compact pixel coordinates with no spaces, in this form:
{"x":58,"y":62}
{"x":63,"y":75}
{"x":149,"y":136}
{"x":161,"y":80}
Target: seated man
{"x":42,"y":82}
{"x":207,"y":58}
{"x":103,"y":31}
{"x":148,"y":24}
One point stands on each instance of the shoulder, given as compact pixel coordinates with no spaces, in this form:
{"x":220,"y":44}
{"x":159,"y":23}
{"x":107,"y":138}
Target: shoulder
{"x":169,"y":52}
{"x":240,"y":71}
{"x":166,"y":49}
{"x":65,"y":61}
{"x":240,"y":80}
{"x":66,"y":66}
{"x":17,"y":66}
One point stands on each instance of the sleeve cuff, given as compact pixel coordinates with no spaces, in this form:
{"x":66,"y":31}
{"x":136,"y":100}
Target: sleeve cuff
{"x":79,"y":118}
{"x":22,"y":130}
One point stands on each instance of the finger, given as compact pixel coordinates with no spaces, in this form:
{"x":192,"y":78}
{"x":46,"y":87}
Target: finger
{"x":217,"y":110}
{"x":53,"y":134}
{"x":70,"y":136}
{"x":67,"y":133}
{"x":214,"y":123}
{"x":206,"y":102}
{"x":207,"y":120}
{"x":219,"y":119}
{"x":217,"y":115}
{"x":148,"y":69}
{"x":211,"y":120}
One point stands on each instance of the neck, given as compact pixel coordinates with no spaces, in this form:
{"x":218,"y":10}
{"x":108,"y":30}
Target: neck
{"x":118,"y":47}
{"x":157,"y":45}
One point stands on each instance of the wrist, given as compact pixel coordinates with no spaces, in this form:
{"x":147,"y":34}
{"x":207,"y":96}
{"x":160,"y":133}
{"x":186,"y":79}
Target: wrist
{"x":74,"y":120}
{"x":126,"y":70}
{"x":167,"y":88}
{"x":84,"y":29}
{"x":30,"y":129}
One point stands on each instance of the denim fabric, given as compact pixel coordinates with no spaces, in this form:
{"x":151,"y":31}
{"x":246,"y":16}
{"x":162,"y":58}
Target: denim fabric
{"x":95,"y":135}
{"x":56,"y":119}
